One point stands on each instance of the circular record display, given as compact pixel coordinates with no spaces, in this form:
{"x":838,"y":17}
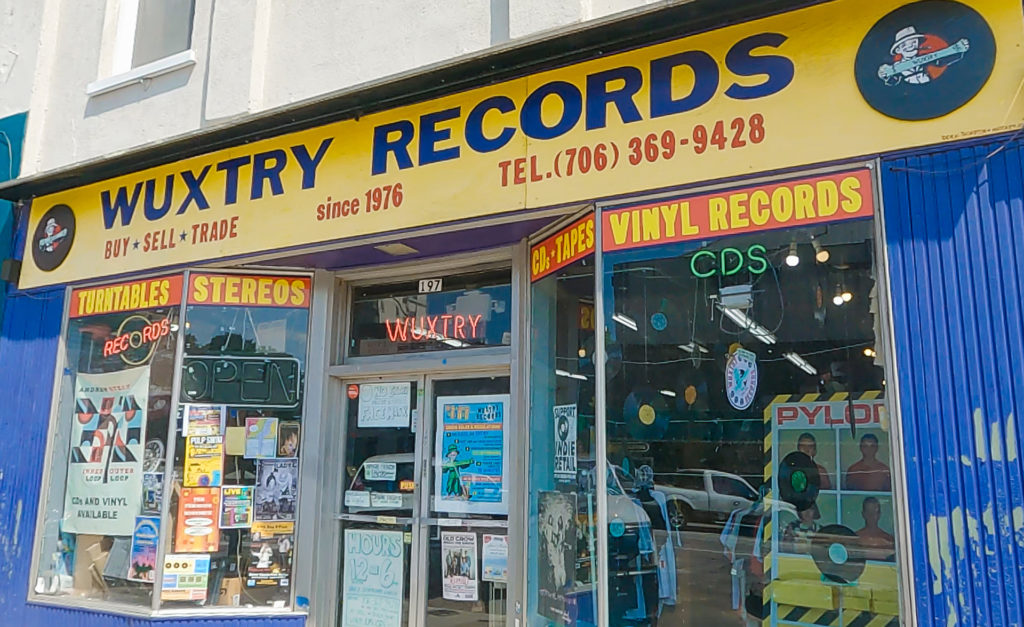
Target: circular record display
{"x":835,"y":552}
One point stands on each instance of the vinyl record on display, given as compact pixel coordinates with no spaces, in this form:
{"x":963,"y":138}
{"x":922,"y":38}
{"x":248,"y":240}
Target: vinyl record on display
{"x":691,"y":390}
{"x":836,"y":554}
{"x":799,"y":481}
{"x":645,"y":414}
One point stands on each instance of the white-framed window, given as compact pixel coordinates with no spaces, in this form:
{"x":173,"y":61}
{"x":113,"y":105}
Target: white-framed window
{"x":150,"y":30}
{"x":148,"y":38}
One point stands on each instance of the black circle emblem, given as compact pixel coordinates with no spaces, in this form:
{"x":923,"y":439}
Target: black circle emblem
{"x":53,"y":236}
{"x":925,"y":60}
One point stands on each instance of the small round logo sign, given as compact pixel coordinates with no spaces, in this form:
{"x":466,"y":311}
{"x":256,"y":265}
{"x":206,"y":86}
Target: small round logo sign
{"x":741,"y":378}
{"x":51,"y":241}
{"x":925,"y":60}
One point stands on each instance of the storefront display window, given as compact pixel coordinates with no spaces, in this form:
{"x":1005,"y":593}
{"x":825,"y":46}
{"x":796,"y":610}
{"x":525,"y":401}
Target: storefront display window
{"x":100,"y":525}
{"x":745,"y":410}
{"x":233,"y":498}
{"x":443,"y":313}
{"x":561,"y":552}
{"x":207,"y":516}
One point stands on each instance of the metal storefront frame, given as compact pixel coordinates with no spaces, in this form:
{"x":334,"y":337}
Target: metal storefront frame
{"x":334,"y":322}
{"x":904,"y":544}
{"x":155,"y":611}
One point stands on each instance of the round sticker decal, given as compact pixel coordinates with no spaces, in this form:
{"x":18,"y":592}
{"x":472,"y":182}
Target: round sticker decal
{"x":741,"y":378}
{"x":53,"y":236}
{"x":925,"y":60}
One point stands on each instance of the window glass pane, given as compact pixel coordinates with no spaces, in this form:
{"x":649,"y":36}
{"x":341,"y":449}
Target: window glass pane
{"x":100,"y":527}
{"x":562,"y":488}
{"x":231,"y":524}
{"x":470,"y":310}
{"x":717,"y":352}
{"x":163,"y":27}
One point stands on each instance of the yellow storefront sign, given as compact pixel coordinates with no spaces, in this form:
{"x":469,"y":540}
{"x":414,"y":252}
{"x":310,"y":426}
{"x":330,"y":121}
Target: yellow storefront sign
{"x":837,"y":80}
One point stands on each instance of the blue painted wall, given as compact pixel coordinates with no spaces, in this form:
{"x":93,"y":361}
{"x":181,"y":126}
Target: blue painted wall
{"x":12,"y":135}
{"x":955,"y":230}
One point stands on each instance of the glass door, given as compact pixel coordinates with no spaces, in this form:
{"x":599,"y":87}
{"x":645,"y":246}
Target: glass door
{"x":380,"y":502}
{"x":466,"y":494}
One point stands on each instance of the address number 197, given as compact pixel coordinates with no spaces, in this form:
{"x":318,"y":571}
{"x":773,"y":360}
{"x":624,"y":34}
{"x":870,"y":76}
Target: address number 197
{"x":428,"y":286}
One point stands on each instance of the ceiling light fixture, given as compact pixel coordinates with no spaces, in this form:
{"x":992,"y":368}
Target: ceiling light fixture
{"x":396,"y":249}
{"x":837,"y":300}
{"x":745,"y":322}
{"x":694,"y":347}
{"x":668,"y":393}
{"x":821,"y":254}
{"x":800,"y":363}
{"x":625,"y":321}
{"x":792,"y":259}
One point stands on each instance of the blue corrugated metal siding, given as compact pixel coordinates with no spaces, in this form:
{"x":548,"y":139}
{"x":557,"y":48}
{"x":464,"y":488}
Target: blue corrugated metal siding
{"x":28,"y":347}
{"x":955,"y":235}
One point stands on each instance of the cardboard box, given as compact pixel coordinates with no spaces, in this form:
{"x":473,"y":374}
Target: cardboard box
{"x":230,"y":592}
{"x":91,"y":553}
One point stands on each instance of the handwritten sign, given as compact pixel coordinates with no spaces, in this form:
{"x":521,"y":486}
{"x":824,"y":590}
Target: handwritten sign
{"x":384,"y":404}
{"x":374,"y":578}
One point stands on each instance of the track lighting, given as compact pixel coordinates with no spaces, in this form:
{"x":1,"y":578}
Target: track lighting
{"x":837,"y":300}
{"x":821,"y":254}
{"x":792,"y":259}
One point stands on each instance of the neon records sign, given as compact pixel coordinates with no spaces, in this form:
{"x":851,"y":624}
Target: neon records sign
{"x":136,"y":338}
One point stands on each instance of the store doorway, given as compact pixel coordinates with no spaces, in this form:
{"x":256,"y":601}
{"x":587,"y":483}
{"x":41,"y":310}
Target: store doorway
{"x":424,"y":516}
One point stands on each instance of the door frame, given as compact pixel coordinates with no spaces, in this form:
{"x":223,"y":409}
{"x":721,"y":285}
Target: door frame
{"x":340,"y":369}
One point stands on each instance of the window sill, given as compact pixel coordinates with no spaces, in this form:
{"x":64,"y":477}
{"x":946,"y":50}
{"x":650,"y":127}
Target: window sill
{"x":177,"y":61}
{"x":217,"y":612}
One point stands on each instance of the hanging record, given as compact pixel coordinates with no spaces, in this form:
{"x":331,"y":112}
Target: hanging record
{"x":691,"y":390}
{"x":836,"y":554}
{"x":645,"y":414}
{"x":799,"y":480}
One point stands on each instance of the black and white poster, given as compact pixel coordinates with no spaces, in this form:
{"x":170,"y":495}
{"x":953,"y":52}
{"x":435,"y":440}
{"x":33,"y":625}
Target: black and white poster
{"x":556,"y":568}
{"x":276,"y":488}
{"x":565,"y":443}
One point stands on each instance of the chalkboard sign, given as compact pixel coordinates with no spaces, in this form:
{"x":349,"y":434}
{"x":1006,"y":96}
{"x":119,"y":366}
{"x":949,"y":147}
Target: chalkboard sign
{"x":374,"y":578}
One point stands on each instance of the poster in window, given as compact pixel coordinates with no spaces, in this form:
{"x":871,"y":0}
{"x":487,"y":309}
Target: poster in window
{"x":260,"y":437}
{"x":270,"y":554}
{"x":458,"y":564}
{"x":143,"y":553}
{"x":203,"y":420}
{"x":185,"y":577}
{"x":494,"y":558}
{"x":152,"y":492}
{"x":236,"y":503}
{"x":204,"y":460}
{"x":104,"y":480}
{"x":469,"y":451}
{"x":556,"y":567}
{"x":565,"y":443}
{"x":373,"y":578}
{"x":288,"y":438}
{"x":196,"y":530}
{"x":276,"y":488}
{"x":384,"y":405}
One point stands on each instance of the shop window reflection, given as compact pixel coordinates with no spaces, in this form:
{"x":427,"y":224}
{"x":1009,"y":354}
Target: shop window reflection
{"x":731,"y":389}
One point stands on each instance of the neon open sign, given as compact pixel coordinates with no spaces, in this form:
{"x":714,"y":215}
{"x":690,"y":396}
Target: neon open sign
{"x":242,"y":381}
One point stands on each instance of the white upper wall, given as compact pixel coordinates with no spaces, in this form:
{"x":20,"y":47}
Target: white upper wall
{"x":19,"y":43}
{"x":250,"y":56}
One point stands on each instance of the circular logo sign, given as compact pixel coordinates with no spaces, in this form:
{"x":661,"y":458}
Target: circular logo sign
{"x":925,"y":60}
{"x":53,"y":236}
{"x":741,"y":378}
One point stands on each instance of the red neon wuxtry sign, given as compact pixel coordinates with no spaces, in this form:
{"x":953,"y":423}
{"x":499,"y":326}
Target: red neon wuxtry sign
{"x":440,"y":327}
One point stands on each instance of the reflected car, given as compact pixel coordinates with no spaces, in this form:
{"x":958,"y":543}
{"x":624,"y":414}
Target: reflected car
{"x":383,"y":483}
